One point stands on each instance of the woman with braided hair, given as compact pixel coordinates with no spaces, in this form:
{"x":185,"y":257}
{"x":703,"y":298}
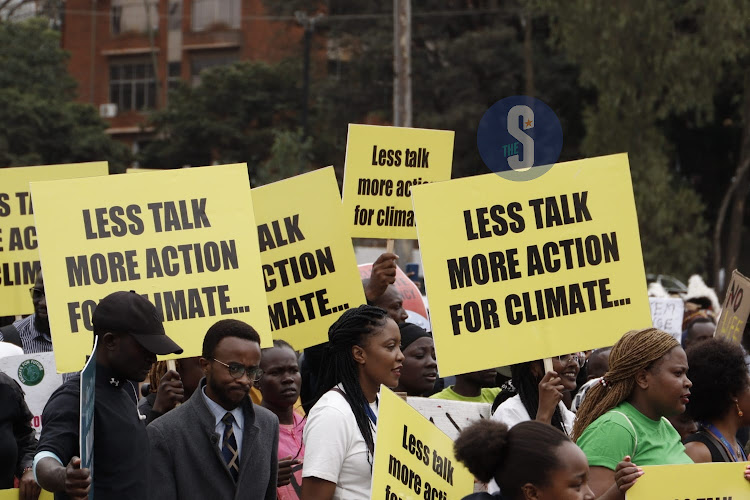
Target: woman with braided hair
{"x":624,"y":416}
{"x":363,"y":352}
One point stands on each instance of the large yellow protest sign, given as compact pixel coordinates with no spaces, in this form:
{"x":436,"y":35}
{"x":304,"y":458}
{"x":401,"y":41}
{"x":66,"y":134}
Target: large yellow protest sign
{"x":517,"y":271}
{"x":382,"y":165}
{"x":413,"y":458}
{"x":711,"y":481}
{"x":184,"y":239}
{"x":309,"y":269}
{"x":19,"y":256}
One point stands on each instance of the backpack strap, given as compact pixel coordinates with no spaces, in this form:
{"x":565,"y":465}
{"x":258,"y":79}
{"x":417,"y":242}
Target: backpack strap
{"x":719,"y":447}
{"x":632,"y":427}
{"x":10,"y":334}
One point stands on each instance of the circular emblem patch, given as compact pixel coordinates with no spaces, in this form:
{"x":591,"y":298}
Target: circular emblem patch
{"x":519,"y":138}
{"x":30,"y":372}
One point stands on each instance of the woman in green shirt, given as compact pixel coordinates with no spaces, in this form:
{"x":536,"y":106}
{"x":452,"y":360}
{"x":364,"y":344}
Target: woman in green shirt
{"x":624,"y":416}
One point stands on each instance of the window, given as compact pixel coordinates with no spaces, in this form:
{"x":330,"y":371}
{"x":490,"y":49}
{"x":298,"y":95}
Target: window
{"x":129,"y":16}
{"x":173,"y":78}
{"x":174,"y":19}
{"x":216,"y":13}
{"x":132,"y":85}
{"x":199,"y":62}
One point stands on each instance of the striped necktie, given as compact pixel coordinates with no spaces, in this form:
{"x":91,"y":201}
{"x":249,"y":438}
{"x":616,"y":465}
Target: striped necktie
{"x":229,"y":447}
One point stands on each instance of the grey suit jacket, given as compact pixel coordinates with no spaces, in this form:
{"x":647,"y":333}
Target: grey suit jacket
{"x":186,"y":462}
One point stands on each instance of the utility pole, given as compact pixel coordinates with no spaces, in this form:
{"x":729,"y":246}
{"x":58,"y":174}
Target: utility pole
{"x":308,"y":24}
{"x":402,"y":110}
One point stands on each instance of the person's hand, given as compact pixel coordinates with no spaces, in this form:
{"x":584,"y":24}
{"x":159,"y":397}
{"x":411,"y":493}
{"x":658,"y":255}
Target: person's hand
{"x":550,"y":394}
{"x":383,"y":274}
{"x":285,"y":470}
{"x":77,"y":480}
{"x":170,"y":392}
{"x":626,"y":473}
{"x":747,"y":472}
{"x":28,"y":488}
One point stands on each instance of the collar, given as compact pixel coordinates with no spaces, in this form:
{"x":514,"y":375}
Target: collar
{"x":218,"y":411}
{"x":35,"y":332}
{"x":106,"y":377}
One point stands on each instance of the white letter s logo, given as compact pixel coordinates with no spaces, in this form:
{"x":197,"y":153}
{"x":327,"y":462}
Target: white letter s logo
{"x":527,"y":142}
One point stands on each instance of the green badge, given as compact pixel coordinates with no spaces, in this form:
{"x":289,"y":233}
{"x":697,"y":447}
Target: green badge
{"x":30,"y":372}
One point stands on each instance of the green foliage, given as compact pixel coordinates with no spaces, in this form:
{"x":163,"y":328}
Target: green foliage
{"x":42,"y":123}
{"x":649,"y":61}
{"x":234,"y":115}
{"x":290,"y":155}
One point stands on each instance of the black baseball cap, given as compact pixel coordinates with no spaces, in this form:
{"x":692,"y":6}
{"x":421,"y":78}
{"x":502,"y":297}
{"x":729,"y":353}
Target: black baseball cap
{"x":128,"y":312}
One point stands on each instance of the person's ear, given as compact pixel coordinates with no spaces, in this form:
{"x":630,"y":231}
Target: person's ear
{"x":642,"y":378}
{"x":204,"y":365}
{"x":110,"y":341}
{"x":530,"y":492}
{"x":359,"y":354}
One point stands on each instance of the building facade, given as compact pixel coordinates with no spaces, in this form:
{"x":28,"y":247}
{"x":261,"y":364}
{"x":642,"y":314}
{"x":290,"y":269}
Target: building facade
{"x":125,"y":57}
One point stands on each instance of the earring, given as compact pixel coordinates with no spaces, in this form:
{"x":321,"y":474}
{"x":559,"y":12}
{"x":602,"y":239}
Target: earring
{"x":739,"y":411}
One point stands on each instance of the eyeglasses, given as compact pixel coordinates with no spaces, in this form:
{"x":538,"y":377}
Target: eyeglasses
{"x":36,"y":293}
{"x":237,"y":370}
{"x":578,"y":357}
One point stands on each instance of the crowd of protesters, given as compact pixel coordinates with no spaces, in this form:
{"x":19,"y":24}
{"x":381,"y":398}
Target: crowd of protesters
{"x":241,"y":422}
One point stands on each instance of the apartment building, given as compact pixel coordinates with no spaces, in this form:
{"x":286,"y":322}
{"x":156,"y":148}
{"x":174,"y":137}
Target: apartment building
{"x":125,"y":54}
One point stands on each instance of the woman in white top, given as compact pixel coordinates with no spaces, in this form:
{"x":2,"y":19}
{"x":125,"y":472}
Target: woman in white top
{"x":363,"y":352}
{"x":539,"y":395}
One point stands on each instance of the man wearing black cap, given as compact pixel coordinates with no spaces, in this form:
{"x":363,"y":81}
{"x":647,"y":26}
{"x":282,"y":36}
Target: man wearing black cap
{"x":130,"y":335}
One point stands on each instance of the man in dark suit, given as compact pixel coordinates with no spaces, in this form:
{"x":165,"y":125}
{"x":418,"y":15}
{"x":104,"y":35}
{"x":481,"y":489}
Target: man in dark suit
{"x":218,"y":433}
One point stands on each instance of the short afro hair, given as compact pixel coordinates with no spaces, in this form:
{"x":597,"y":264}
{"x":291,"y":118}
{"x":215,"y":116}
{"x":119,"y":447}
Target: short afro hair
{"x":227,"y":328}
{"x":718,"y":371}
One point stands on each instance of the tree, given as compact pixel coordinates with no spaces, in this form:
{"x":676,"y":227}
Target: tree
{"x":42,"y":122}
{"x":234,"y":115}
{"x":652,"y":63}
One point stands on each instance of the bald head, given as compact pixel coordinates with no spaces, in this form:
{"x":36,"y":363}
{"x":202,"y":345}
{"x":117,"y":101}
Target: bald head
{"x":393,"y":303}
{"x":598,"y":363}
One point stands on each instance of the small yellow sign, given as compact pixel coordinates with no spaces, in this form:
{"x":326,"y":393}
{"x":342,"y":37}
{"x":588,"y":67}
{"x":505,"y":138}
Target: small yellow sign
{"x":184,"y":239}
{"x":712,"y":481}
{"x":382,"y":165}
{"x":413,"y":458}
{"x":517,"y":271}
{"x":14,"y":494}
{"x":19,"y":256}
{"x":309,"y":269}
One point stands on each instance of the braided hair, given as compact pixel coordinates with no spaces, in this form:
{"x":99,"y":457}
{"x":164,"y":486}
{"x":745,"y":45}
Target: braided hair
{"x":527,"y":387}
{"x":157,"y":371}
{"x":338,"y":364}
{"x":636,"y":350}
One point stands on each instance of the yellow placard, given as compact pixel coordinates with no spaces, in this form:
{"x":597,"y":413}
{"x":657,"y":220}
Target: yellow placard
{"x":712,"y":481}
{"x":517,"y":271}
{"x":382,"y":165}
{"x":184,"y":239}
{"x":734,"y":311}
{"x":413,"y":458}
{"x":19,"y":256}
{"x":309,"y":268}
{"x":13,"y":494}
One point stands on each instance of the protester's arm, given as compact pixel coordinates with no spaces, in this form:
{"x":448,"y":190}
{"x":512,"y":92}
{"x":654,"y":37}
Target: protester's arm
{"x":27,"y":443}
{"x":285,"y":470}
{"x":550,"y":394}
{"x":169,"y":394}
{"x":162,"y":481}
{"x":383,"y":274}
{"x":698,"y":452}
{"x":71,"y":479}
{"x":607,"y":484}
{"x":314,"y":488}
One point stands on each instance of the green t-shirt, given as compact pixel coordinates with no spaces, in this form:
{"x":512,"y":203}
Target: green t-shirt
{"x":487,"y":396}
{"x":648,"y":442}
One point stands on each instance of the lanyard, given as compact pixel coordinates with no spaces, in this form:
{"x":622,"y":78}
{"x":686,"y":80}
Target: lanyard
{"x":716,"y":432}
{"x":371,"y":414}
